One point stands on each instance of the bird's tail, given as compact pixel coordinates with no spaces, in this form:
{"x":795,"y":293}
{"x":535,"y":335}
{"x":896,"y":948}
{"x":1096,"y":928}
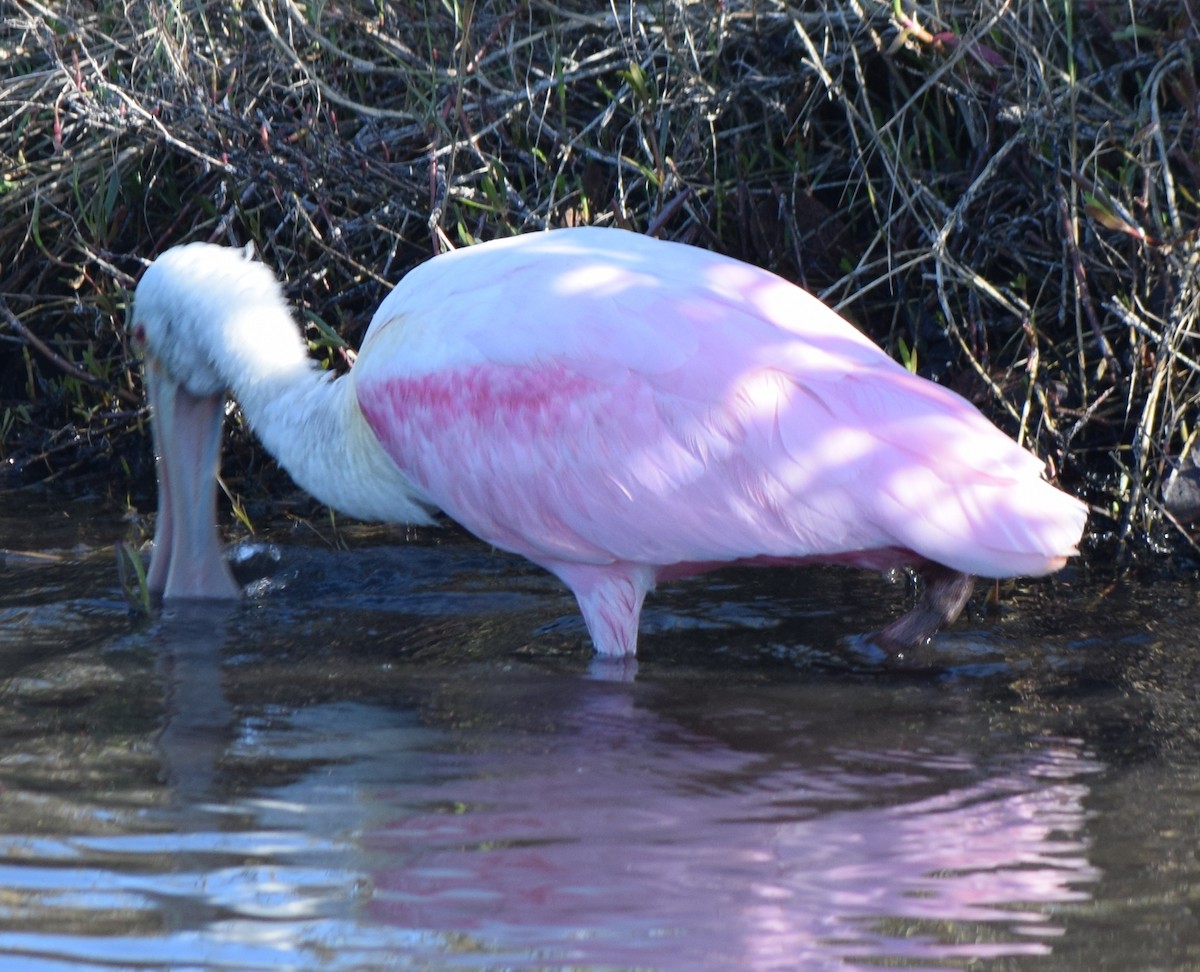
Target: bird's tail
{"x":989,"y":525}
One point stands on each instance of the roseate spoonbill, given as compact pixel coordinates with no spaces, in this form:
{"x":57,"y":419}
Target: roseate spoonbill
{"x":619,"y":409}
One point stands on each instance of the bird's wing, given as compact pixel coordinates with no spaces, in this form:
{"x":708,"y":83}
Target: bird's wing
{"x":589,"y":410}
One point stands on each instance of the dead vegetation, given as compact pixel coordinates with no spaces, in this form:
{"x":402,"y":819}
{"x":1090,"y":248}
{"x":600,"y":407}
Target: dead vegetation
{"x":1002,"y":192}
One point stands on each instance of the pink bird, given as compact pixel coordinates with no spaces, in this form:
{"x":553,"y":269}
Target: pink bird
{"x":618,"y":409}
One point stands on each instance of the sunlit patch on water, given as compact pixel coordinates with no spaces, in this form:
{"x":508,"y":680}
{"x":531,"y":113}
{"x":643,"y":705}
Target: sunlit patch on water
{"x":398,"y":754}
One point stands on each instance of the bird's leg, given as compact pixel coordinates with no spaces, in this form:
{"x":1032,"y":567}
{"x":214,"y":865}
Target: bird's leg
{"x":945,"y":595}
{"x":610,"y":598}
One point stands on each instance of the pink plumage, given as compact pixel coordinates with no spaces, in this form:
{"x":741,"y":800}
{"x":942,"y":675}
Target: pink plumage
{"x":622,"y":410}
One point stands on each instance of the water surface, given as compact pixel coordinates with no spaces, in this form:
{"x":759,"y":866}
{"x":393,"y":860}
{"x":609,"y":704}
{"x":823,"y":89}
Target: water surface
{"x":398,"y":754}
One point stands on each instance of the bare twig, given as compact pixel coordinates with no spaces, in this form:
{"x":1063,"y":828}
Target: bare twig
{"x":61,"y":363}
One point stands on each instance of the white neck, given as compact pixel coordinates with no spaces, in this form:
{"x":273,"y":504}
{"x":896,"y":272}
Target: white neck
{"x":314,"y":427}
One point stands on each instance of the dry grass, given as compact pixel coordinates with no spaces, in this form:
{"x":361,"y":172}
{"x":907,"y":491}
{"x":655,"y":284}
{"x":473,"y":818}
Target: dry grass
{"x":1002,"y":193}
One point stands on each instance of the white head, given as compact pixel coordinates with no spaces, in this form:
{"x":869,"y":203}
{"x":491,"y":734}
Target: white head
{"x":209,"y":313}
{"x":204,"y":316}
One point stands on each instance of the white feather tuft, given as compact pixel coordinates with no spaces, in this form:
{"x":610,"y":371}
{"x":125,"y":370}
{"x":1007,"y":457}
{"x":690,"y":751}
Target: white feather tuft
{"x":209,"y":313}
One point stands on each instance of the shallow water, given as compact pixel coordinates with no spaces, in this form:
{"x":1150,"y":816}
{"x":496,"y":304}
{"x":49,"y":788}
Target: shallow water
{"x":398,"y":754}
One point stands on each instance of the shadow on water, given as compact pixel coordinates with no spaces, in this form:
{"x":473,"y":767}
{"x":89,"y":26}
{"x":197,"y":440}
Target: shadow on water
{"x":400,"y":755}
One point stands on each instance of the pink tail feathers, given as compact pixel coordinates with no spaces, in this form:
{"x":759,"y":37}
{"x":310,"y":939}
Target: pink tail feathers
{"x":1019,"y":527}
{"x":1035,"y":529}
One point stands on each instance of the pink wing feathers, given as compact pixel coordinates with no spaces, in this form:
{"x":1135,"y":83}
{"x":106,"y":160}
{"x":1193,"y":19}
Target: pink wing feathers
{"x":611,"y":399}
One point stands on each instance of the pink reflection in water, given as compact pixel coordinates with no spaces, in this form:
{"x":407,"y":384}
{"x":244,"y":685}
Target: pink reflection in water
{"x":627,"y":843}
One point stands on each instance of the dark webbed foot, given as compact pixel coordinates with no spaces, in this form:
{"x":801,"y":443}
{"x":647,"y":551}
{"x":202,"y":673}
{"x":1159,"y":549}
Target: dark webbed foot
{"x":945,"y":595}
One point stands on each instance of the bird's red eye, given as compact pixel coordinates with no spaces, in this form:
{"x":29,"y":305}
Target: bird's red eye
{"x":139,"y":336}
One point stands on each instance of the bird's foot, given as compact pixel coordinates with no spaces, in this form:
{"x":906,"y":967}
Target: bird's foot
{"x":945,"y":595}
{"x":613,"y":668}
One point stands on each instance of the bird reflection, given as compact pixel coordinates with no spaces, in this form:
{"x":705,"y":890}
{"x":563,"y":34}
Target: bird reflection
{"x":504,"y":814}
{"x":198,"y":724}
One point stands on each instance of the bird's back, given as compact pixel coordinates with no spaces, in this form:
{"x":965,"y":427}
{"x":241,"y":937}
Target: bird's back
{"x":590,"y":396}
